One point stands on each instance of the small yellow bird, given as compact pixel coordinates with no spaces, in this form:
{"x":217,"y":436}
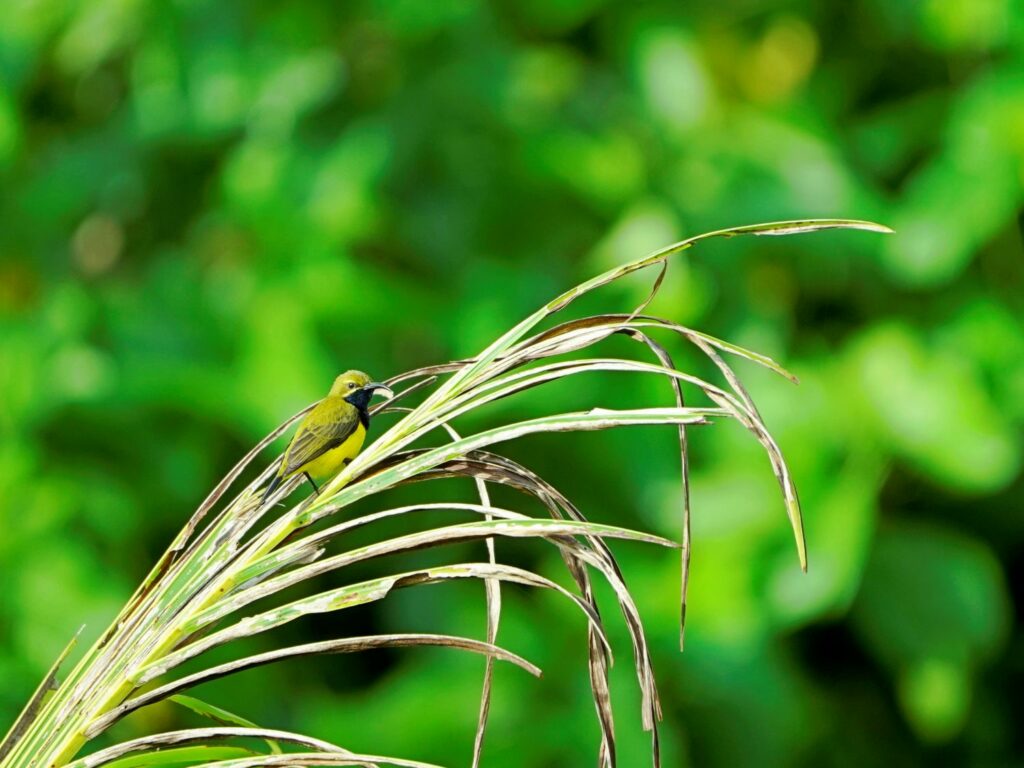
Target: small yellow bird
{"x":332,"y":433}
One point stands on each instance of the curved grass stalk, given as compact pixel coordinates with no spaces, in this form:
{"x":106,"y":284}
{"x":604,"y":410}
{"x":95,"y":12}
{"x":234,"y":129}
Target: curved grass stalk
{"x":492,"y":593}
{"x":236,"y":550}
{"x":513,"y":527}
{"x":304,"y":759}
{"x":350,"y":596}
{"x":344,"y":645}
{"x":202,"y":736}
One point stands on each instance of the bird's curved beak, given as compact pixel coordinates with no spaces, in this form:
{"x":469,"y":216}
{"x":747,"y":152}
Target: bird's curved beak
{"x":383,"y":389}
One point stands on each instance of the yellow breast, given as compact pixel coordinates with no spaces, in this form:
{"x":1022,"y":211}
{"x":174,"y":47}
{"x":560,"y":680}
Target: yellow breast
{"x":330,"y":463}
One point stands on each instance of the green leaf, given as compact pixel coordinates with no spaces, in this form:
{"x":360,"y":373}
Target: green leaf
{"x":218,"y":715}
{"x":180,"y":756}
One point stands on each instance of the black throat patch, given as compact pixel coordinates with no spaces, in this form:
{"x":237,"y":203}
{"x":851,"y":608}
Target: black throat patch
{"x":361,"y":400}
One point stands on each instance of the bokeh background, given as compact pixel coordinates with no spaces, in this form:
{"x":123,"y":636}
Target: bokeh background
{"x":209,"y":209}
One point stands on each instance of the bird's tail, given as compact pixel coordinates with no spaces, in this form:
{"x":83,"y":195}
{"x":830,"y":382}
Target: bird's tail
{"x":274,"y":483}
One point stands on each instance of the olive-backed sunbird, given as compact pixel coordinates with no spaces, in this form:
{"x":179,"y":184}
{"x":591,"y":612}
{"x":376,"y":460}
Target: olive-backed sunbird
{"x":331,"y":434}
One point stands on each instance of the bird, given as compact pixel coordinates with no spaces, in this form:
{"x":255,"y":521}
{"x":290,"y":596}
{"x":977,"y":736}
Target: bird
{"x":332,"y":433}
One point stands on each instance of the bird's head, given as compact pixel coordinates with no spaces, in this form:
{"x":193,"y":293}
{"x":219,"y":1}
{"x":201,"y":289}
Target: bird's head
{"x":357,"y":388}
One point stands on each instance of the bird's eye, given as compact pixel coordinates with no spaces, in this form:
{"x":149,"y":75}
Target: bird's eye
{"x":351,"y":385}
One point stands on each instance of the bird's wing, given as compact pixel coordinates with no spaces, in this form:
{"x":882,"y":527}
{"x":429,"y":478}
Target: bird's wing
{"x":327,"y":426}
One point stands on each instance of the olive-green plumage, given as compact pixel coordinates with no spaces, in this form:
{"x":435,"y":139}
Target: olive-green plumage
{"x":331,"y":434}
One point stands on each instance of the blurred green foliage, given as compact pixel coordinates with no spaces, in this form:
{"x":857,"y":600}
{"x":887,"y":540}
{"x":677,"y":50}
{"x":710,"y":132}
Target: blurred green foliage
{"x":209,"y":209}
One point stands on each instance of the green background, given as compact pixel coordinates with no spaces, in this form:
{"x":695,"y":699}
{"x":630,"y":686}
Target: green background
{"x":209,"y":209}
